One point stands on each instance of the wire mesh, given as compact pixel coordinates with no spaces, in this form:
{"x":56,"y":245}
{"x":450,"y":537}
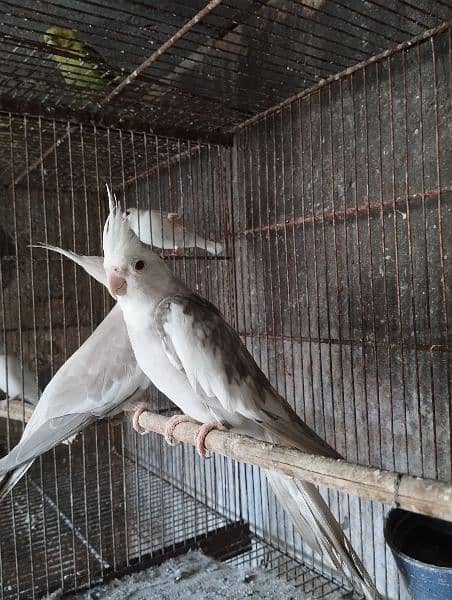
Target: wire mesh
{"x":340,"y":234}
{"x":211,"y":79}
{"x":333,"y":212}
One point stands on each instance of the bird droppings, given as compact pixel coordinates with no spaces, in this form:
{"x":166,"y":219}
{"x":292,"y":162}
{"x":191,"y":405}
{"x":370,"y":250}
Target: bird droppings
{"x":195,"y":575}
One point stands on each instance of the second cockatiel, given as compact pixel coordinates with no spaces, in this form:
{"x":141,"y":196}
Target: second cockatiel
{"x":198,"y":361}
{"x":80,"y":65}
{"x":167,"y":231}
{"x":100,"y":379}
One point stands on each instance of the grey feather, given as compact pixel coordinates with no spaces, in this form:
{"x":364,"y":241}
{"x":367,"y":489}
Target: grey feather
{"x":84,"y":389}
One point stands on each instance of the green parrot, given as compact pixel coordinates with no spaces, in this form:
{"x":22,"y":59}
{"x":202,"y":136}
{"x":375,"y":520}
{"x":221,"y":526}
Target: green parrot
{"x":79,"y":65}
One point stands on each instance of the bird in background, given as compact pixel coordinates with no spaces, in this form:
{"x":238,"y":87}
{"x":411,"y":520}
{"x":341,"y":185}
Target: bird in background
{"x":167,"y":231}
{"x":191,"y":354}
{"x":100,"y":379}
{"x":12,"y":383}
{"x":80,"y":65}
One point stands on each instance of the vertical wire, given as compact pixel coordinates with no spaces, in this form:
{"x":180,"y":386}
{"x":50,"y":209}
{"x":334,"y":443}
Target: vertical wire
{"x":306,"y":549}
{"x":396,"y":252}
{"x":438,"y":175}
{"x":207,"y":283}
{"x":69,"y":130}
{"x":348,"y":295}
{"x":109,"y":441}
{"x":234,"y":201}
{"x":316,"y":275}
{"x":64,"y":325}
{"x":264,"y":295}
{"x":263,"y":487}
{"x":361,"y":302}
{"x":184,"y":455}
{"x":104,"y":311}
{"x":148,"y":438}
{"x":253,"y":335}
{"x":296,"y":277}
{"x":19,"y":325}
{"x":51,"y":330}
{"x":273,"y":193}
{"x":91,"y":326}
{"x":411,"y":273}
{"x":336,"y":286}
{"x":160,"y":442}
{"x":288,"y":282}
{"x":122,"y":425}
{"x":35,"y":349}
{"x":372,"y":291}
{"x":138,"y":447}
{"x":246,"y":298}
{"x":211,"y":194}
{"x":8,"y":424}
{"x":332,"y":494}
{"x":173,"y":455}
{"x":425,"y":467}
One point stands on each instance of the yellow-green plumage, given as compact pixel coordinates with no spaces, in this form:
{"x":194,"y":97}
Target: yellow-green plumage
{"x":79,"y":66}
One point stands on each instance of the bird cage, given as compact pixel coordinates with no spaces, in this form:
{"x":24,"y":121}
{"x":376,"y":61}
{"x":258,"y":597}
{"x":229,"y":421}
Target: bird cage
{"x":303,"y":150}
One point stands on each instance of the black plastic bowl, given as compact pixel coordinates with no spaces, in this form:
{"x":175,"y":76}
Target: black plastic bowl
{"x":422,"y":548}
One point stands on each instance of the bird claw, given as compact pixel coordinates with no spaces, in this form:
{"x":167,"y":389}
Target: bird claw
{"x":203,"y":432}
{"x":140,"y":408}
{"x":171,"y":425}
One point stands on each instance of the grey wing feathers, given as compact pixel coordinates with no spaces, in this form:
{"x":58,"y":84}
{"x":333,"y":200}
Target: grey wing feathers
{"x":88,"y":386}
{"x":217,"y":364}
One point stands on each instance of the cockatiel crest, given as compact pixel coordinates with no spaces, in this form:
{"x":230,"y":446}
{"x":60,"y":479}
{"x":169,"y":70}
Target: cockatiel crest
{"x":119,"y":240}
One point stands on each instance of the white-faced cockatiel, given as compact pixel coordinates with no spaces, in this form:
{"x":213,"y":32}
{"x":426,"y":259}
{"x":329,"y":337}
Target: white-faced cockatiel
{"x":100,"y":379}
{"x":189,"y":352}
{"x":167,"y":231}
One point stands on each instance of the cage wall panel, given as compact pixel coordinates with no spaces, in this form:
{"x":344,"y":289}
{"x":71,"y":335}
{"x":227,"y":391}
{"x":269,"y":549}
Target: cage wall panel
{"x":342,"y":206}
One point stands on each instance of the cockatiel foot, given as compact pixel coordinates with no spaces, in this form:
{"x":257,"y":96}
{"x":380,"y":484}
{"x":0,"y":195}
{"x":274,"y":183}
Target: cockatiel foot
{"x":204,"y":431}
{"x":171,"y":425}
{"x":139,"y":409}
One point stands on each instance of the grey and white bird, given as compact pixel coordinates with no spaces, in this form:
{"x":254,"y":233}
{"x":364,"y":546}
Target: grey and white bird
{"x":189,"y":352}
{"x":167,"y":231}
{"x":89,"y":386}
{"x":16,"y":378}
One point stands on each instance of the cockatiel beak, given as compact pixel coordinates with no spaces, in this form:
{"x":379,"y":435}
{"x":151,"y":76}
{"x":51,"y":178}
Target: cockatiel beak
{"x":117,"y":285}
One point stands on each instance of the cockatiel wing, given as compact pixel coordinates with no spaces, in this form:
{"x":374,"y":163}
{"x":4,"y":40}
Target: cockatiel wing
{"x":94,"y":382}
{"x":198,"y":341}
{"x":219,"y":368}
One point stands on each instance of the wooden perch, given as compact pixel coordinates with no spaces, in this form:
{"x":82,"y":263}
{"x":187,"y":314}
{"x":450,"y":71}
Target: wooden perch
{"x":424,"y":496}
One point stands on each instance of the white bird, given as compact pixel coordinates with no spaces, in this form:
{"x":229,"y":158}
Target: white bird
{"x":198,"y":361}
{"x":100,"y":379}
{"x":166,"y":230}
{"x":17,"y":379}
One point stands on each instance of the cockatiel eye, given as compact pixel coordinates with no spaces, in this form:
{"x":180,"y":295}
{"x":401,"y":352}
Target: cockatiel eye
{"x":139,"y":265}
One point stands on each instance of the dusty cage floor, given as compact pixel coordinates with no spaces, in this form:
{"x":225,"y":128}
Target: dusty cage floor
{"x":84,"y":528}
{"x":194,"y":575}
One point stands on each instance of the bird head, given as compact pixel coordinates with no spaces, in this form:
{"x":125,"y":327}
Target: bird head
{"x":127,"y":260}
{"x":60,"y":37}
